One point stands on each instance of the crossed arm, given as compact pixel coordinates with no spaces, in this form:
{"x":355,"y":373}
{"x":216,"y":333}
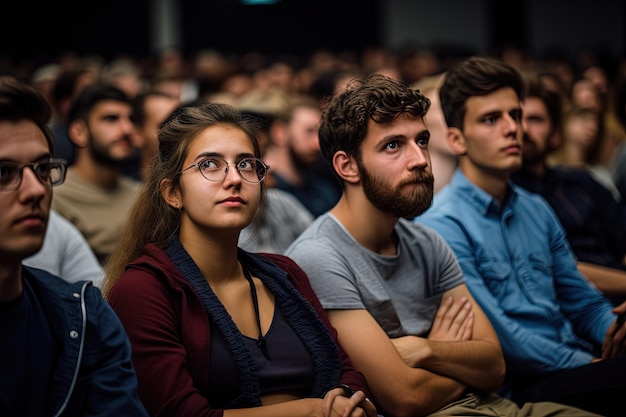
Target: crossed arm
{"x":413,"y":375}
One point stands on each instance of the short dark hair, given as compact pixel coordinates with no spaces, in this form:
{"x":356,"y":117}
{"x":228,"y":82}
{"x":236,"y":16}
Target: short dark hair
{"x":91,"y":95}
{"x":20,"y":101}
{"x":475,"y":76}
{"x":377,"y":97}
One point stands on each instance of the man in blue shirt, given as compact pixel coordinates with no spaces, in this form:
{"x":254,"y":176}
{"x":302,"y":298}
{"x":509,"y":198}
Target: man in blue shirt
{"x":559,"y":334}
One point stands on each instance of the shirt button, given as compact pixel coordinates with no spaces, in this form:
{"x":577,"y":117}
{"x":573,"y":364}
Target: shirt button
{"x":73,"y":334}
{"x":76,"y":295}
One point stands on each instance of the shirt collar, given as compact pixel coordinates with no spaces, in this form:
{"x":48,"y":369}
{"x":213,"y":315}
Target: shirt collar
{"x":484,"y":202}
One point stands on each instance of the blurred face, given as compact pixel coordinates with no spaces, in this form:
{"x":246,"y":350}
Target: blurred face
{"x":23,"y":212}
{"x":303,"y":135}
{"x":585,"y":94}
{"x":395,"y":167}
{"x":437,"y":126}
{"x":492,"y":133}
{"x":157,"y":109}
{"x":582,"y":129}
{"x":230,"y":204}
{"x":537,"y":131}
{"x":111,"y":133}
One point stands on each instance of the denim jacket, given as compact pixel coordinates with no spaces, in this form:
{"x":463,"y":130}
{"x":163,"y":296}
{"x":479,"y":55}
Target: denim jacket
{"x":93,"y":374}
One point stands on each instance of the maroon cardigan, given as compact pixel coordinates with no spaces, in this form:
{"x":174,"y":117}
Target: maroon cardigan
{"x":170,"y":333}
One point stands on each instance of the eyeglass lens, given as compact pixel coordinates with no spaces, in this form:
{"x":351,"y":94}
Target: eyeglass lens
{"x":50,"y":172}
{"x":250,"y":169}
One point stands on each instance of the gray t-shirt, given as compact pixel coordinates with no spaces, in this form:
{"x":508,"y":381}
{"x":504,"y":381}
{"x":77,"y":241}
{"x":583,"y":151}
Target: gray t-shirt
{"x":401,"y":292}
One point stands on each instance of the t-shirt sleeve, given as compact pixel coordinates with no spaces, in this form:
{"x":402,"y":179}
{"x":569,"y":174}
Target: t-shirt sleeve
{"x":450,"y":272}
{"x":329,"y":273}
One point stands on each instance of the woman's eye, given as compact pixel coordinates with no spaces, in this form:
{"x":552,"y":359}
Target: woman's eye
{"x":209,"y":164}
{"x":245,"y":164}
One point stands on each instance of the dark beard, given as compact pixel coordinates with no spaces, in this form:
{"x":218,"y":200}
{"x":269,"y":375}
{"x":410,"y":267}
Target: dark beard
{"x":101,"y":155}
{"x":299,"y":162}
{"x":530,"y":154}
{"x":392,"y":201}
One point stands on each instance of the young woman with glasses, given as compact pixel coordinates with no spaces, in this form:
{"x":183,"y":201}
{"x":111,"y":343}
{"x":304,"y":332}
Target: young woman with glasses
{"x":216,"y":330}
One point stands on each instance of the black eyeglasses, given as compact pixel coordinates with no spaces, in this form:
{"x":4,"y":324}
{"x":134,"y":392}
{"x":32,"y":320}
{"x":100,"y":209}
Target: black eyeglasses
{"x":216,"y":168}
{"x":50,"y":172}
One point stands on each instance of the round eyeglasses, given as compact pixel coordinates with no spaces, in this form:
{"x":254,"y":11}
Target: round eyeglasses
{"x":215,"y":169}
{"x":50,"y":172}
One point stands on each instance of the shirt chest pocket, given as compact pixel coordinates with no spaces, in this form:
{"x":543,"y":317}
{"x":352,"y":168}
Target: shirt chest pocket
{"x":496,"y":275}
{"x":536,"y":274}
{"x":532,"y":274}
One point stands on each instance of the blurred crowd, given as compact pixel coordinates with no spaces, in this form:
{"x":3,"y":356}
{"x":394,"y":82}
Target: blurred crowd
{"x":589,"y":80}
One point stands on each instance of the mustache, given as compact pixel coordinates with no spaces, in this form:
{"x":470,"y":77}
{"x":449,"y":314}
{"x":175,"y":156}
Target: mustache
{"x":420,"y":176}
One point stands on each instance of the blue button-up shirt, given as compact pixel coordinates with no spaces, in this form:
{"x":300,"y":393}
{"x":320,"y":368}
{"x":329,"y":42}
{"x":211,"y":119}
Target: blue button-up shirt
{"x":520,"y":268}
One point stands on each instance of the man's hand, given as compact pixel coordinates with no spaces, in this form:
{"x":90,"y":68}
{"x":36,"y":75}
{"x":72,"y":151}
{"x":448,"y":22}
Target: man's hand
{"x":454,"y":320}
{"x":615,"y":340}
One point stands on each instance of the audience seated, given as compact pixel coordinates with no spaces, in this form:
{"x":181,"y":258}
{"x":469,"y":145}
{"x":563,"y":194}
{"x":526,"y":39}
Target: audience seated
{"x":64,"y":352}
{"x":199,"y":310}
{"x":393,"y":289}
{"x":150,"y":109}
{"x":96,"y":196}
{"x":561,"y":337}
{"x":296,"y":161}
{"x":593,"y":220}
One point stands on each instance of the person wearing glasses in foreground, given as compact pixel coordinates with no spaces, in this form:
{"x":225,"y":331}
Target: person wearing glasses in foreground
{"x":63,"y":350}
{"x":216,"y":330}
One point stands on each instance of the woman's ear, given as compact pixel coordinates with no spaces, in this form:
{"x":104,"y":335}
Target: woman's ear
{"x":456,"y":141}
{"x":78,"y":133}
{"x":346,"y":167}
{"x":171,"y":194}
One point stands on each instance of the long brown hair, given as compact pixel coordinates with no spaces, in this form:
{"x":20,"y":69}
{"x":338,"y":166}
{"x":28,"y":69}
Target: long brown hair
{"x":151,"y":219}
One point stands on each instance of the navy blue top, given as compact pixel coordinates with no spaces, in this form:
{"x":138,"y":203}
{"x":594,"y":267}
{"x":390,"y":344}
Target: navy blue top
{"x":25,"y":367}
{"x":65,"y":346}
{"x":318,"y":194}
{"x":290,"y":368}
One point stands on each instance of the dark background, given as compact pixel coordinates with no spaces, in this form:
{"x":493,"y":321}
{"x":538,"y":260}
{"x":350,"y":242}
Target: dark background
{"x":39,"y":31}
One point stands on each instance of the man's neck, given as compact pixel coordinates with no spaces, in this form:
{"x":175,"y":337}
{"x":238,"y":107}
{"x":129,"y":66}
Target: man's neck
{"x":100,"y":175}
{"x":492,"y":182}
{"x":370,"y":227}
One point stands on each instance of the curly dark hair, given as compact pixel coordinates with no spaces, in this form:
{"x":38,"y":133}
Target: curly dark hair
{"x":379,"y":98}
